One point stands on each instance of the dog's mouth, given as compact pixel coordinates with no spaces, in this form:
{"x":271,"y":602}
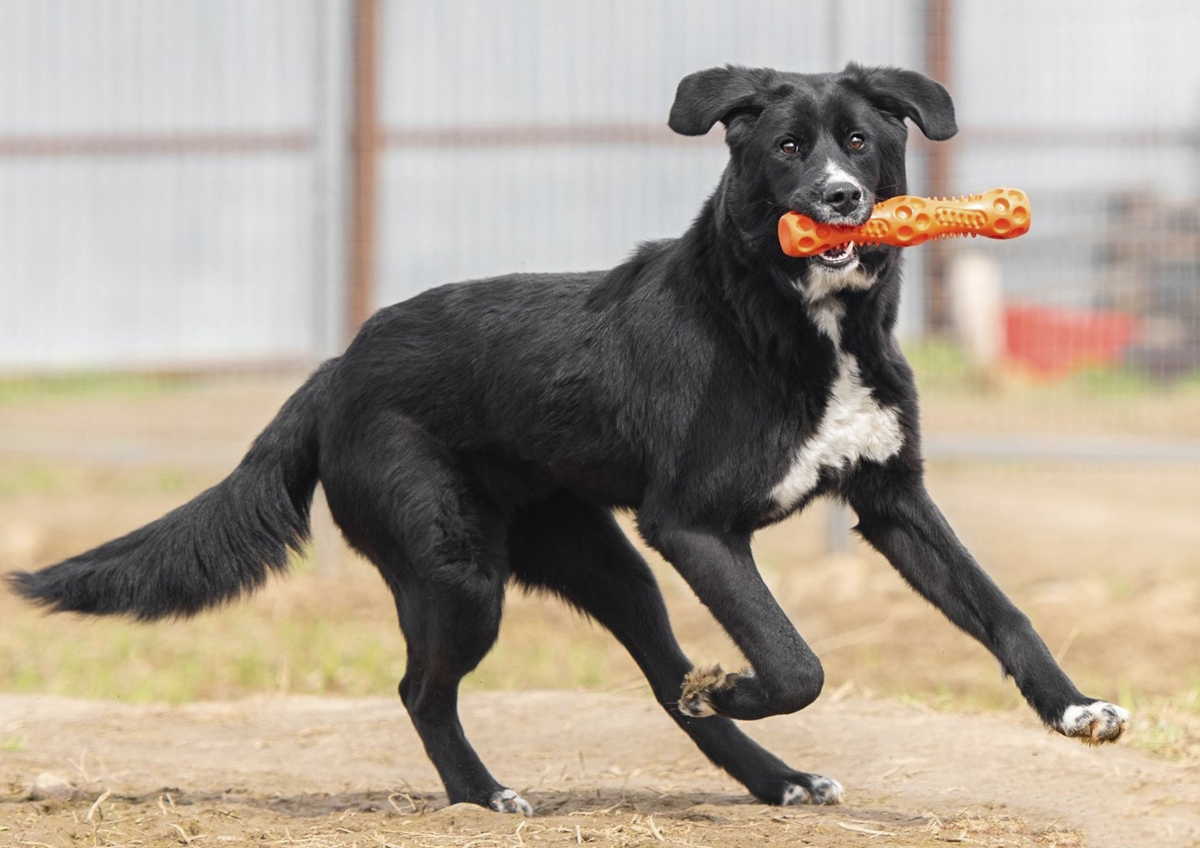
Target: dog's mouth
{"x":838,"y":257}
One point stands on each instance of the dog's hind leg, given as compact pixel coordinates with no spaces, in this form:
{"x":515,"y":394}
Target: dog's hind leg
{"x":576,"y":549}
{"x":442,"y":554}
{"x":448,"y":632}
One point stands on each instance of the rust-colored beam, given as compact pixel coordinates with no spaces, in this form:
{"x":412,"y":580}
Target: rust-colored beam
{"x":151,"y":143}
{"x":365,"y":144}
{"x":441,"y":137}
{"x":939,"y":61}
{"x":492,"y":136}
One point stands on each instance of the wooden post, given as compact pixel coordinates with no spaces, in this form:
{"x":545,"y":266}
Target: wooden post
{"x":364,"y":171}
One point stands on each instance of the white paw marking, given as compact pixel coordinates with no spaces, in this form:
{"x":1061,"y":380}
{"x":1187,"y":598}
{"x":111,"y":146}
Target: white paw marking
{"x":508,"y":801}
{"x":825,"y":790}
{"x":1094,"y":723}
{"x":795,"y":794}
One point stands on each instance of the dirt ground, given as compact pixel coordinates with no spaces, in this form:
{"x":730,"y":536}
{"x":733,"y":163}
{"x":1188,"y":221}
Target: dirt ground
{"x":599,"y":769}
{"x":931,"y":746}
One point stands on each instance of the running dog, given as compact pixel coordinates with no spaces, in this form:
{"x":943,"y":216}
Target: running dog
{"x":484,"y":432}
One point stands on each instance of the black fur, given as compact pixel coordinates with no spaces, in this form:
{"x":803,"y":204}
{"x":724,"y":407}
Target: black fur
{"x":485,"y":431}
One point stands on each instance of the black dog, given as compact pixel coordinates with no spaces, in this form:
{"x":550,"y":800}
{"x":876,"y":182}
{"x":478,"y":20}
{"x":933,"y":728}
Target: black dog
{"x":486,"y":431}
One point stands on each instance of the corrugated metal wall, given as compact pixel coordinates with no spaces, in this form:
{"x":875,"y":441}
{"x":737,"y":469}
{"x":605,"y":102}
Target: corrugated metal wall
{"x":173,"y":177}
{"x":156,"y":182}
{"x":603,"y":75}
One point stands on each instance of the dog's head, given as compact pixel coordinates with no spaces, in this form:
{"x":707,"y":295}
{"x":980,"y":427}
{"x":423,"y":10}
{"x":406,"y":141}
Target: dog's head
{"x":826,"y":145}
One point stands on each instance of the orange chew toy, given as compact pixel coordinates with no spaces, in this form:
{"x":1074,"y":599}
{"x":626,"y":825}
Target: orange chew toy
{"x":903,"y":221}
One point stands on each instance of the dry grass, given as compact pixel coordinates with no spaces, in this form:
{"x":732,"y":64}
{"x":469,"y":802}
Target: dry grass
{"x":391,"y":822}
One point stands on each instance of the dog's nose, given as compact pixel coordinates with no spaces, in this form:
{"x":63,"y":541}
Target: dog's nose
{"x":842,"y":197}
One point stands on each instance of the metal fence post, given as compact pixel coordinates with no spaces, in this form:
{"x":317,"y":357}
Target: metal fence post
{"x":939,"y":61}
{"x":365,"y":153}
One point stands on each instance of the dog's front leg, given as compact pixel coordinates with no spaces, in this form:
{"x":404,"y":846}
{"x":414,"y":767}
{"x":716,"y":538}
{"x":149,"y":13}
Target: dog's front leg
{"x":785,"y":675}
{"x":900,"y":520}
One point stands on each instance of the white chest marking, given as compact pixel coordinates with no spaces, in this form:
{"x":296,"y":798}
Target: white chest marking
{"x":854,"y":426}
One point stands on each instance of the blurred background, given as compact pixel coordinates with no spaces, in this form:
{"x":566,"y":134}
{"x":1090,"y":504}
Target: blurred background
{"x":201,"y":199}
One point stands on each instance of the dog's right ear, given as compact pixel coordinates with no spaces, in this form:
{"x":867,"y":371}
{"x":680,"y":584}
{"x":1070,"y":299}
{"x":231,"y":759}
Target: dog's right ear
{"x":705,"y":97}
{"x":908,"y":94}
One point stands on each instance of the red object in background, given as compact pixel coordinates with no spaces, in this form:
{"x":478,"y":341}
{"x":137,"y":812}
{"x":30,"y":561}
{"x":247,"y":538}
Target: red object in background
{"x":1054,"y":341}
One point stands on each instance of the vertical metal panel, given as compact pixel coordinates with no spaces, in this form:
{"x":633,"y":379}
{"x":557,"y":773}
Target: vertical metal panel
{"x":332,"y":166}
{"x":156,"y":182}
{"x":169,"y":172}
{"x":572,"y":202}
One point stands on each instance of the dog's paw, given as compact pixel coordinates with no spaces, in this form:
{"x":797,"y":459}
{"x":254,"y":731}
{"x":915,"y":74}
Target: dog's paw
{"x":812,"y":789}
{"x":699,"y":685}
{"x":508,"y":801}
{"x":1094,"y":723}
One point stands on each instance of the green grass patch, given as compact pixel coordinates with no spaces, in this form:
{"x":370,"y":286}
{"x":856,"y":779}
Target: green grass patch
{"x":154,"y":481}
{"x":1164,"y":726}
{"x":304,"y":636}
{"x":941,"y":367}
{"x":232,"y":653}
{"x":85,"y":384}
{"x":34,"y":477}
{"x":46,"y":477}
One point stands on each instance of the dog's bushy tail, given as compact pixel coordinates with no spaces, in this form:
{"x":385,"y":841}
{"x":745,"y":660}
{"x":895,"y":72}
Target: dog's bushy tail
{"x":222,"y":544}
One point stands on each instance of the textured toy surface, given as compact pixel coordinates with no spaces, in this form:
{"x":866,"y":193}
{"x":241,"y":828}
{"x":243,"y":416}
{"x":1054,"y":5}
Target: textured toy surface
{"x":904,"y":221}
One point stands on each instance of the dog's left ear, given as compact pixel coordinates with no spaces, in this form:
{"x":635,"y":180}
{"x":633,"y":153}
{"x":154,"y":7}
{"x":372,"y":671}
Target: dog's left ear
{"x":705,"y":97}
{"x":908,"y":94}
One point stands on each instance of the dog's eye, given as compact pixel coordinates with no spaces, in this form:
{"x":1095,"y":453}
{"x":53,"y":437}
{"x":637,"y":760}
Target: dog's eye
{"x":856,"y":141}
{"x":789,"y":147}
